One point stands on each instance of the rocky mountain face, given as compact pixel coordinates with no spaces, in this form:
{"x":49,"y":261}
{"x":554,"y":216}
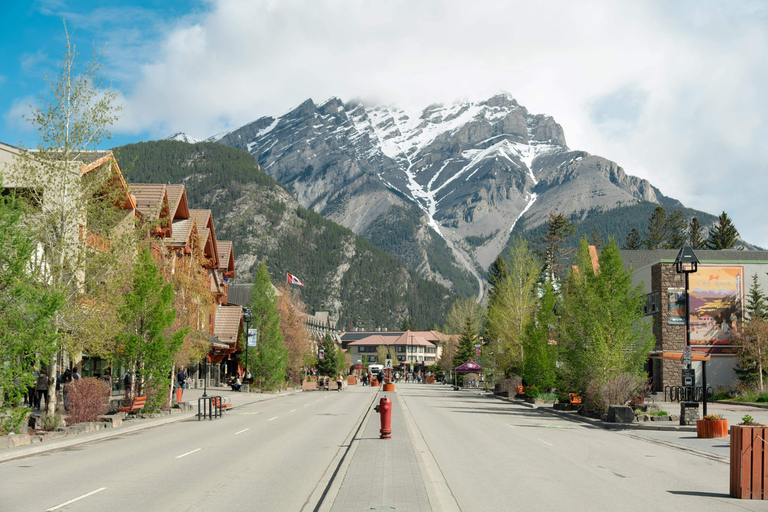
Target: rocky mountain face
{"x":441,"y":188}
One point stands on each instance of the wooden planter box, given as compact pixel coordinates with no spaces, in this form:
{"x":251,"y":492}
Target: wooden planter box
{"x":351,"y":380}
{"x":749,"y":466}
{"x":709,"y":429}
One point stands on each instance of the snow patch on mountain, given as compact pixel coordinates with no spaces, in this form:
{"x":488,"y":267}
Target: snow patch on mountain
{"x":182,"y":137}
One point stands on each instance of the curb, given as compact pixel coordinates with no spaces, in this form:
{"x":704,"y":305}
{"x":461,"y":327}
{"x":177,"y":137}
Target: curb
{"x":574,"y":416}
{"x":90,"y":437}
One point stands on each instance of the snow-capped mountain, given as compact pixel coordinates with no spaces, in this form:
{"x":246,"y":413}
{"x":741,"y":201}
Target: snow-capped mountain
{"x":441,"y":188}
{"x":182,"y":137}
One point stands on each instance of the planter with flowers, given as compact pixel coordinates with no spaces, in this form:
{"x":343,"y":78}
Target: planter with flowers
{"x":749,"y":460}
{"x":711,"y":426}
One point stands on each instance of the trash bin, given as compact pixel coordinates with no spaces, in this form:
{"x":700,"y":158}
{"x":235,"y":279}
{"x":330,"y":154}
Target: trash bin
{"x":689,"y":413}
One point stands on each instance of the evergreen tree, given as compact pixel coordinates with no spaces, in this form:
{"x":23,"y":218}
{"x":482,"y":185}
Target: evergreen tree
{"x":539,"y":366}
{"x":657,"y":229}
{"x":632,"y":242}
{"x":601,"y":329}
{"x":496,"y":275}
{"x":146,"y":347}
{"x":268,"y":364}
{"x":467,"y":340}
{"x":409,"y":324}
{"x":27,"y":310}
{"x":596,"y":239}
{"x":723,"y":235}
{"x":755,"y":301}
{"x":551,"y":251}
{"x":675,"y":230}
{"x":695,"y":235}
{"x":328,"y":365}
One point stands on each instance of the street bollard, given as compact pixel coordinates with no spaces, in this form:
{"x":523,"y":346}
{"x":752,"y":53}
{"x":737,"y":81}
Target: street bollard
{"x":385,"y":410}
{"x":178,"y":394}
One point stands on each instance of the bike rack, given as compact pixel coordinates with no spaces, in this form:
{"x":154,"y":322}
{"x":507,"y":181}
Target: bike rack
{"x":686,"y":393}
{"x":205,"y":408}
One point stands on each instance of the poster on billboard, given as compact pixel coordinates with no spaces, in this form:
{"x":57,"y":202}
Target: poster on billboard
{"x":676,"y":306}
{"x":716,"y":295}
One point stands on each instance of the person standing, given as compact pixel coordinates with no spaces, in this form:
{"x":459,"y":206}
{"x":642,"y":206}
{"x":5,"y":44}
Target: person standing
{"x":31,"y":400}
{"x":41,"y":387}
{"x":75,"y":375}
{"x":181,"y":378}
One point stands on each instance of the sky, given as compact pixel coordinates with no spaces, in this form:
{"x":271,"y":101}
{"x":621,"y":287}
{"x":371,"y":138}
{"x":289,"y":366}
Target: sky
{"x":674,"y":92}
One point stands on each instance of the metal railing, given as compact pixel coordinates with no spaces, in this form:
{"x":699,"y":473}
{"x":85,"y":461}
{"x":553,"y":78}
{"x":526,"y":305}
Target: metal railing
{"x":206,"y":407}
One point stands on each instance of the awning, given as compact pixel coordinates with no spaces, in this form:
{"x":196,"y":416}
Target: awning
{"x":469,"y":366}
{"x":678,"y":356}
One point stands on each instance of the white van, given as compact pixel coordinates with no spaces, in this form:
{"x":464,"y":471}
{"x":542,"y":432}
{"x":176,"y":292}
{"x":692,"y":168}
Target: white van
{"x":375,"y":368}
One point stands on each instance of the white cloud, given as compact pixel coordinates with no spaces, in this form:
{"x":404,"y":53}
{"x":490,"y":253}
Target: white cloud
{"x":681,"y":86}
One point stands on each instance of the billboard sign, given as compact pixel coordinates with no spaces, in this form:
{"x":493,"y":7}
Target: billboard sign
{"x":716,"y":294}
{"x":252,"y":335}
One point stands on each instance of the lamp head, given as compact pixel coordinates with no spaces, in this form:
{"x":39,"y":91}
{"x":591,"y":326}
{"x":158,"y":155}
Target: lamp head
{"x":686,"y":261}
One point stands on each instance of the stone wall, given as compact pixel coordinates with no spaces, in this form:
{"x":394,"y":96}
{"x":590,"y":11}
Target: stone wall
{"x":668,"y":337}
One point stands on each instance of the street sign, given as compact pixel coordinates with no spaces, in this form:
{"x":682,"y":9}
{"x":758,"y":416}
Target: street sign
{"x":689,"y":377}
{"x":687,"y":351}
{"x":411,"y":367}
{"x":252,"y":336}
{"x":388,"y":364}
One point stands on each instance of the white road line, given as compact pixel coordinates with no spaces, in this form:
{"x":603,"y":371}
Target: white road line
{"x":306,"y":405}
{"x":188,"y":453}
{"x":242,"y":431}
{"x":74,"y":500}
{"x":510,"y":426}
{"x":546,"y":442}
{"x":270,"y":419}
{"x":292,"y":410}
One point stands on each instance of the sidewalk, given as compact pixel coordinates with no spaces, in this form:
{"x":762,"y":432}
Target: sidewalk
{"x":133,"y":424}
{"x":384,"y":474}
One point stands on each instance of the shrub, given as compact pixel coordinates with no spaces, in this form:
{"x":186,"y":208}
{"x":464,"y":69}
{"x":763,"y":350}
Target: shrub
{"x":712,"y":417}
{"x":14,"y":420}
{"x":749,"y":421}
{"x":615,"y":391}
{"x":721,"y":395}
{"x":531,"y":391}
{"x":87,"y":399}
{"x":52,"y":421}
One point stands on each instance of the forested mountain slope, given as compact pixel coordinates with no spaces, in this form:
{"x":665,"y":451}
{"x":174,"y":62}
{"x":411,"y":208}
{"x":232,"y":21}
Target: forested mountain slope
{"x":343,"y":273}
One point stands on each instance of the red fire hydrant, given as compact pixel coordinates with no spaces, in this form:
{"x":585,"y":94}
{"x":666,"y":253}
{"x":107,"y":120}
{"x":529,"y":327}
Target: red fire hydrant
{"x":385,"y":409}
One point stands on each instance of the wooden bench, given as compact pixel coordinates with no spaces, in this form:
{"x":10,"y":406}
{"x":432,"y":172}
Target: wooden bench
{"x":137,"y":404}
{"x":219,"y":403}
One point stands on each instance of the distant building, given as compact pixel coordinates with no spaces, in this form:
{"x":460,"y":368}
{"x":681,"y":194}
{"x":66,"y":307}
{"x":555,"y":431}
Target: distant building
{"x":716,"y":310}
{"x":420,"y":348}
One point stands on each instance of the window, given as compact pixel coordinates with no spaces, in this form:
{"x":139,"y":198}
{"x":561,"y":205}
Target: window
{"x":401,"y":349}
{"x":372,"y":359}
{"x":652,"y":303}
{"x":401,"y":358}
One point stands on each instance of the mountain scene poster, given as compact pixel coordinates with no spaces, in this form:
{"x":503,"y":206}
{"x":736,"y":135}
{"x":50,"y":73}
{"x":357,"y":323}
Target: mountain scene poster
{"x":716,"y":304}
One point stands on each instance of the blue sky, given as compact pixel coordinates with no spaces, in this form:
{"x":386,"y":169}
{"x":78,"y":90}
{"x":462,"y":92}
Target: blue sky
{"x":674,"y":92}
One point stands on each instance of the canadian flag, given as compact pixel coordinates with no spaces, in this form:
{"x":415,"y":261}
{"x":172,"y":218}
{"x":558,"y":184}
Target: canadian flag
{"x":294,"y":280}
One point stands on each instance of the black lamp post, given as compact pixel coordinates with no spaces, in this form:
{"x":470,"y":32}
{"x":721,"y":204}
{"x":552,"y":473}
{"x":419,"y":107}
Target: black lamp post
{"x":247,"y":318}
{"x":687,"y":263}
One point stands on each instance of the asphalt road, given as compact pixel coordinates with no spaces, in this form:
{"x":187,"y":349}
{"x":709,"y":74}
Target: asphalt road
{"x":261,"y":457}
{"x":498,"y":456}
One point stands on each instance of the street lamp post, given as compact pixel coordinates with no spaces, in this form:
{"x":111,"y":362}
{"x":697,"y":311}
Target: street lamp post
{"x":687,"y":263}
{"x":247,"y":318}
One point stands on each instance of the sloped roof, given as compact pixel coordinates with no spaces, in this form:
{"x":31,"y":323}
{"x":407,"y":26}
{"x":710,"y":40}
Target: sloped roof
{"x":642,"y":258}
{"x":432,"y":336}
{"x":206,"y":232}
{"x":149,"y":199}
{"x":177,"y":201}
{"x":375,"y":340}
{"x":182,"y":231}
{"x":406,"y":338}
{"x":226,"y":255}
{"x":228,"y":323}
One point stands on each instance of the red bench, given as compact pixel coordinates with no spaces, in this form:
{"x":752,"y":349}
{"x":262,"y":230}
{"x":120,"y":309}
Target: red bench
{"x":137,"y":404}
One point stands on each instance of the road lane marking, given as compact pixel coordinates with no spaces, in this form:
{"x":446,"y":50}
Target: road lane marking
{"x":242,"y":430}
{"x":270,"y":419}
{"x":543,"y":441}
{"x":188,"y":453}
{"x":74,"y":500}
{"x":292,"y":410}
{"x":510,"y":426}
{"x":306,"y":405}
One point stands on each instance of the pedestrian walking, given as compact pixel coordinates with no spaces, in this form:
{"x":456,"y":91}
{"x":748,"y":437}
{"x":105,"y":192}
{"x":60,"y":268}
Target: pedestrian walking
{"x":41,"y":388}
{"x":381,"y":378}
{"x":30,"y":398}
{"x":338,"y":382}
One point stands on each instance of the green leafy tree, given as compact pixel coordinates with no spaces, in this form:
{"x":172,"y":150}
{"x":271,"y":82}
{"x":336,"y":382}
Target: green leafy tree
{"x":27,"y":311}
{"x":341,"y":360}
{"x":461,"y":309}
{"x":147,"y":344}
{"x":695,"y":235}
{"x":329,"y":363}
{"x":633,"y":243}
{"x":601,"y":328}
{"x":723,"y":235}
{"x":551,"y":248}
{"x":755,"y":301}
{"x":676,"y":230}
{"x":512,"y":309}
{"x":753,"y":349}
{"x":656,"y":236}
{"x":496,"y":275}
{"x":539,"y":367}
{"x":269,"y":363}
